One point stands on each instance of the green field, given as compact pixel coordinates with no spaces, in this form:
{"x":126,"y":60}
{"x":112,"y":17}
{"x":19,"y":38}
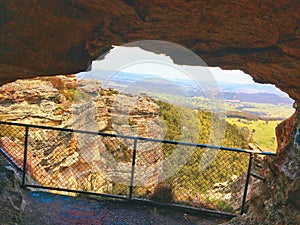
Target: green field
{"x":262,"y":109}
{"x":263,"y":131}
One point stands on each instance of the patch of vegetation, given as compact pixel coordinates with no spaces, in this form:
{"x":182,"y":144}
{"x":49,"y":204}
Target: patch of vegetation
{"x":118,"y":149}
{"x":13,"y":132}
{"x":60,"y":110}
{"x":171,"y":117}
{"x":75,"y":95}
{"x":220,"y":204}
{"x":262,"y":118}
{"x":163,"y":192}
{"x":262,"y":132}
{"x":120,"y":189}
{"x":242,"y":115}
{"x":204,"y":167}
{"x":109,"y":92}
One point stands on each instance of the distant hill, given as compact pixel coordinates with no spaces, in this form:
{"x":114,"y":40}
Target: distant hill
{"x":134,"y":83}
{"x":261,"y":97}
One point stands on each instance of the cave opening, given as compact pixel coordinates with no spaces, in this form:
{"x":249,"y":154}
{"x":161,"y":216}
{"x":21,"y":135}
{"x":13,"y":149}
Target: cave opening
{"x":254,"y":108}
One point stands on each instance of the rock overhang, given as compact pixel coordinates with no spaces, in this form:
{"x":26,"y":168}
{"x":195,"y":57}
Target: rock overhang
{"x":63,"y":37}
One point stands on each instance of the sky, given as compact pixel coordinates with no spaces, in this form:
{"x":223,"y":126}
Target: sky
{"x":137,"y":60}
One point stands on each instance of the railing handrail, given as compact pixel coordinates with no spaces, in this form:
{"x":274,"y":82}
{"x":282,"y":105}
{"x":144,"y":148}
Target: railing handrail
{"x":10,"y":160}
{"x":142,"y":138}
{"x":27,"y":127}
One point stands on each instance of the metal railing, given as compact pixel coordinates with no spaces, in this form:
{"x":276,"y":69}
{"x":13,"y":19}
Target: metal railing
{"x":131,"y":167}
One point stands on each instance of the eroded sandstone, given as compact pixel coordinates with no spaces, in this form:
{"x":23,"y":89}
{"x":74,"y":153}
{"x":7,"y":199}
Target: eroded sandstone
{"x":74,"y":160}
{"x":261,"y":39}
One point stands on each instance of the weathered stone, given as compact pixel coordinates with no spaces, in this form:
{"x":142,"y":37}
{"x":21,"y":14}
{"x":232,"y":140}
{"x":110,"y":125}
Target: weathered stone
{"x":70,"y":160}
{"x":11,"y":198}
{"x":258,"y":38}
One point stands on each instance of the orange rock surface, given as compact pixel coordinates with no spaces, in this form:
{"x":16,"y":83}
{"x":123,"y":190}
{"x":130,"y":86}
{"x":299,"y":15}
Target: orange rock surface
{"x":62,"y":37}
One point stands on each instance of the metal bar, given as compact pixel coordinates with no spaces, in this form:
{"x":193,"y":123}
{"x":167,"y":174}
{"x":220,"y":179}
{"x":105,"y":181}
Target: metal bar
{"x":246,"y":184}
{"x":137,"y":200}
{"x":10,"y":160}
{"x":258,"y":177}
{"x":207,"y":212}
{"x":77,"y":191}
{"x":25,"y":155}
{"x":132,"y":169}
{"x":143,"y":139}
{"x":136,"y":139}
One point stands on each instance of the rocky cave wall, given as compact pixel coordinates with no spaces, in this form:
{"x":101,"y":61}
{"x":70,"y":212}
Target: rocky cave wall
{"x":62,"y":37}
{"x":258,"y":37}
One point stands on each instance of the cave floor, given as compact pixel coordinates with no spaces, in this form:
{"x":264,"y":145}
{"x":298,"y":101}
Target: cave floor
{"x":46,"y":208}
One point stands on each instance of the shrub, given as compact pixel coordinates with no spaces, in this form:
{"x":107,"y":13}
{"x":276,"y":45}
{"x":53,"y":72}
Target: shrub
{"x":163,"y":193}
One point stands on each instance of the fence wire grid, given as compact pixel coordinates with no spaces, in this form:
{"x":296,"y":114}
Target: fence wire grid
{"x":129,"y":167}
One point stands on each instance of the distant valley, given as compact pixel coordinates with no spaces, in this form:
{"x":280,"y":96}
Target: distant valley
{"x":258,"y":99}
{"x":259,"y":93}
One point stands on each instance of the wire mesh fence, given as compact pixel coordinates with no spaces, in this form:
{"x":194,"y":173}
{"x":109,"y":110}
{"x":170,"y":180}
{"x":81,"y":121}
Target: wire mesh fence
{"x":188,"y":176}
{"x":12,"y":140}
{"x":129,"y":167}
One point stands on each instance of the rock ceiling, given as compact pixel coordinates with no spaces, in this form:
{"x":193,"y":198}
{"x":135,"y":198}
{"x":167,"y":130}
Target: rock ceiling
{"x":62,"y":37}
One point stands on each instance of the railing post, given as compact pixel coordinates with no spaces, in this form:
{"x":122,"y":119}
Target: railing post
{"x":132,"y":168}
{"x":247,"y":184}
{"x":25,"y":155}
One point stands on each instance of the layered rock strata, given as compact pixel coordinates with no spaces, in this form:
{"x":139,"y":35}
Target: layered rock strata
{"x":75,"y":160}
